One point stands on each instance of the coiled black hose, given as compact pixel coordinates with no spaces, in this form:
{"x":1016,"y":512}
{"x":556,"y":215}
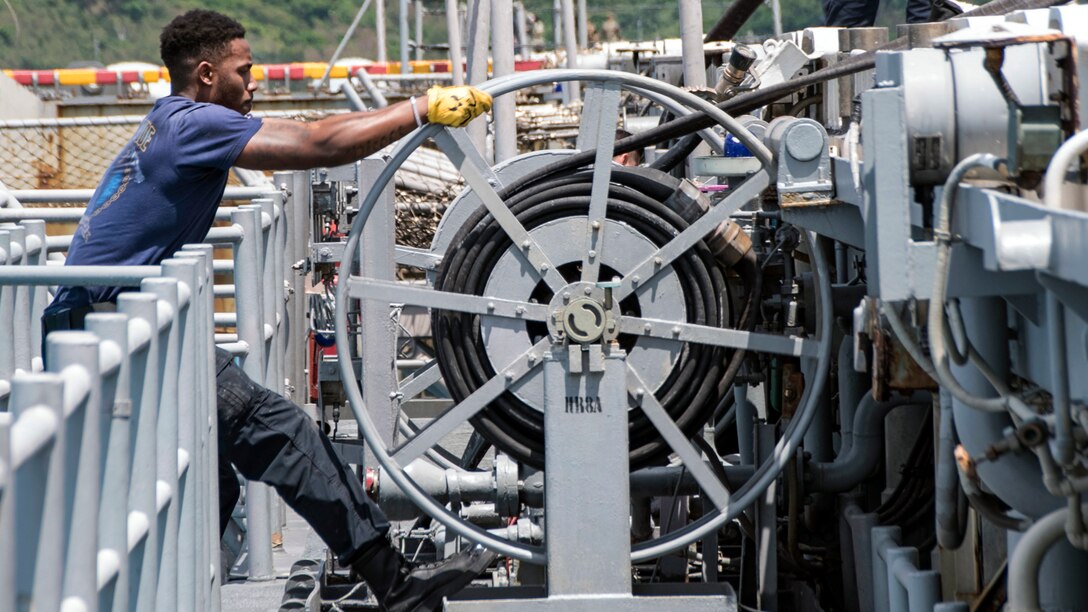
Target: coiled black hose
{"x":636,"y":198}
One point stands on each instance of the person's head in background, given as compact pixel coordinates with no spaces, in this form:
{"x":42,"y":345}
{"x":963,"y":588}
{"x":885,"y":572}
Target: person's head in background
{"x":631,"y":158}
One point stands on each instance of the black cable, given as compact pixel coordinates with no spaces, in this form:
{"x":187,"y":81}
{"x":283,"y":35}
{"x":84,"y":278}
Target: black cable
{"x":636,"y":198}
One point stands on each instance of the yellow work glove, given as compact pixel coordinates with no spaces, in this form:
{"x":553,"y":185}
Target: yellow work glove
{"x":456,"y":106}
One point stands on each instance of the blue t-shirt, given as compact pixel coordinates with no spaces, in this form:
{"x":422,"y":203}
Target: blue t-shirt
{"x":160,"y":192}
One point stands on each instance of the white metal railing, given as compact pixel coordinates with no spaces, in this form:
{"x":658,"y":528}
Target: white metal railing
{"x":124,"y":515}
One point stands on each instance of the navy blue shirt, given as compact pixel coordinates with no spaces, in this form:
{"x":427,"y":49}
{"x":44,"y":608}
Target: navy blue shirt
{"x":160,"y":192}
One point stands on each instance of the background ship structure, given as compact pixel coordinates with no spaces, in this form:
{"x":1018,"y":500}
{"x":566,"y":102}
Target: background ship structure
{"x":825,"y":348}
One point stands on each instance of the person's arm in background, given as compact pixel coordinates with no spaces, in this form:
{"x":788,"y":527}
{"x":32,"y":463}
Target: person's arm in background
{"x":284,"y":144}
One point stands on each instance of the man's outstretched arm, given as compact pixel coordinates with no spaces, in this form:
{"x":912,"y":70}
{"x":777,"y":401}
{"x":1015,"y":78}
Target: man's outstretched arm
{"x":283,"y":144}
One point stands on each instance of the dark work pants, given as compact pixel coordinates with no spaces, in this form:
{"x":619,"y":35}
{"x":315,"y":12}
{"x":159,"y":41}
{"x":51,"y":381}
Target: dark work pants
{"x":271,"y":440}
{"x":862,"y":13}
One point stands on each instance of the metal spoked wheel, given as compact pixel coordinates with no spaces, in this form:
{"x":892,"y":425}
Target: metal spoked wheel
{"x":538,"y":263}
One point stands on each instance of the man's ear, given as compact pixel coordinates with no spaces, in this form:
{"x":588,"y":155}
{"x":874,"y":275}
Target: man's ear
{"x":205,"y":72}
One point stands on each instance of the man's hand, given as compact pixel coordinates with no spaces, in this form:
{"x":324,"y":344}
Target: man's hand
{"x":456,"y":106}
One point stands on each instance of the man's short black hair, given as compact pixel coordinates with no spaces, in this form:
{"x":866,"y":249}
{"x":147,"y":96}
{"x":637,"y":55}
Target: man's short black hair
{"x":194,"y":37}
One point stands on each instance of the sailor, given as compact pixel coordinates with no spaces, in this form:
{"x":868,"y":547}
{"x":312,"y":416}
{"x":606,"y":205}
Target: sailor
{"x":162,"y":192}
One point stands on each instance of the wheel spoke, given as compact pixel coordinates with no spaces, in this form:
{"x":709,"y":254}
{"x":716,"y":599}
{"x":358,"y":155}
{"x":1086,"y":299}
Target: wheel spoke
{"x":399,"y":293}
{"x":794,"y":346}
{"x":464,"y":410}
{"x":483,"y":181}
{"x":695,"y":232}
{"x":712,"y":487}
{"x":598,"y":128}
{"x":419,"y":381}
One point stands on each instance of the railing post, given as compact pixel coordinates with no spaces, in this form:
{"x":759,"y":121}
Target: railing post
{"x":298,"y":247}
{"x":185,"y":272}
{"x":7,"y":516}
{"x":38,"y":295}
{"x":248,"y":298}
{"x":166,"y":289}
{"x":7,"y":307}
{"x":207,"y":472}
{"x":74,"y":355}
{"x":143,"y":328}
{"x":38,"y":488}
{"x":21,"y":316}
{"x":114,"y":432}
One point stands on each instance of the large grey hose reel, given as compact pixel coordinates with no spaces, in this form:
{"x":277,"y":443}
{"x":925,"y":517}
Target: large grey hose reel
{"x":537,"y":257}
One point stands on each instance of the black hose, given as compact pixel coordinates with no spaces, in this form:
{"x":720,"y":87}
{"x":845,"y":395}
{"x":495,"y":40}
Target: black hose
{"x":732,"y":20}
{"x":700,"y":374}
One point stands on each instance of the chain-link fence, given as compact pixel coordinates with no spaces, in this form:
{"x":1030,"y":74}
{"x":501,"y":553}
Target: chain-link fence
{"x":60,"y":153}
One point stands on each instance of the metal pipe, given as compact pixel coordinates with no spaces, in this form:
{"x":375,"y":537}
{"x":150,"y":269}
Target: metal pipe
{"x":502,"y":52}
{"x":142,"y":310}
{"x":40,"y":196}
{"x":691,"y":43}
{"x":352,"y":96}
{"x":379,"y":27}
{"x":479,"y":27}
{"x":746,"y":419}
{"x":1027,"y":558}
{"x":851,"y":390}
{"x":571,"y":90}
{"x":402,"y":16}
{"x":583,"y":26}
{"x":862,"y":457}
{"x":521,"y":28}
{"x":948,"y":522}
{"x":372,"y":90}
{"x":1069,"y":152}
{"x":249,"y":303}
{"x":343,"y":42}
{"x":417,"y":5}
{"x":453,"y":36}
{"x":1064,"y":446}
{"x":87,"y":276}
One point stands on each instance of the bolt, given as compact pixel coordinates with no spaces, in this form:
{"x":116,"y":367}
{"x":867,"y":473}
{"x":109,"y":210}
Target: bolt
{"x":588,"y":290}
{"x":493,"y":182}
{"x":639,"y":393}
{"x":566,"y":297}
{"x":532,"y":358}
{"x":491,"y":306}
{"x":592,"y":254}
{"x":525,"y":244}
{"x":658,"y":262}
{"x":543,"y":267}
{"x":647,"y":328}
{"x":509,"y":375}
{"x":635,"y":281}
{"x":596,"y":225}
{"x":676,"y":331}
{"x":520,"y":310}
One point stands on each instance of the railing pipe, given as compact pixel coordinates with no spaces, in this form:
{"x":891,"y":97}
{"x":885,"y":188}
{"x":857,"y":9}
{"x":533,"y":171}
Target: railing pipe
{"x":74,"y":354}
{"x":115,"y":431}
{"x":38,"y":490}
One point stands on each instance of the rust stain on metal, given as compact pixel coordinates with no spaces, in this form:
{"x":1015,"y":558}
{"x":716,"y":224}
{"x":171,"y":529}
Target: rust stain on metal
{"x":793,"y":387}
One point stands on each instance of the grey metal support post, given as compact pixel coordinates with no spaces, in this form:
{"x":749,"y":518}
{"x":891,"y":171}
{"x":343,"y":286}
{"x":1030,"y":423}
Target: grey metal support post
{"x":573,"y":438}
{"x":207,"y":472}
{"x":899,"y":560}
{"x":114,"y":429}
{"x":188,"y":401}
{"x":21,"y":312}
{"x":379,"y":27}
{"x":292,"y":325}
{"x":269,"y":299}
{"x":691,"y":43}
{"x":405,"y":56}
{"x":766,"y":526}
{"x":479,"y":29}
{"x":502,"y":52}
{"x":142,"y":310}
{"x":7,"y":307}
{"x":882,"y":538}
{"x":746,"y":418}
{"x":453,"y":36}
{"x":248,"y":299}
{"x":521,"y":30}
{"x":76,"y":355}
{"x":380,"y":330}
{"x":38,"y":489}
{"x":38,"y":294}
{"x":7,"y":516}
{"x":419,"y":9}
{"x":861,"y":526}
{"x":297,"y":186}
{"x":583,"y":25}
{"x":166,"y":289}
{"x":571,"y":89}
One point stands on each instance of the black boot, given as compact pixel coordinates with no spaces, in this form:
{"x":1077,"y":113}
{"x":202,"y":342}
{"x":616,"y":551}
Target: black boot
{"x":400,"y":587}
